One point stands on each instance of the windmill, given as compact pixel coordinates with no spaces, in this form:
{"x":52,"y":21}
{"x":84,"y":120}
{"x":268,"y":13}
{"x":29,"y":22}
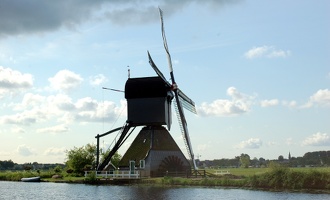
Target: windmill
{"x":149,"y":102}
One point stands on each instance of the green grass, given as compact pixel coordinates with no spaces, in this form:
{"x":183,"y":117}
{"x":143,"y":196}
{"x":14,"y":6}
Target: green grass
{"x":292,"y":178}
{"x":241,"y":171}
{"x":275,"y":177}
{"x":17,"y":175}
{"x":45,"y":175}
{"x":307,"y":169}
{"x":247,"y":172}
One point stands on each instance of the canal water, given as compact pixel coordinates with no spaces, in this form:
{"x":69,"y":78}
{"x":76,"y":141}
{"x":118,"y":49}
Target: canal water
{"x":64,"y":191}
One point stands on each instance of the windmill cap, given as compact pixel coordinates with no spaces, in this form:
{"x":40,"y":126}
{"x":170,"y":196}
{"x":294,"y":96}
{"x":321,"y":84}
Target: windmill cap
{"x":146,"y":87}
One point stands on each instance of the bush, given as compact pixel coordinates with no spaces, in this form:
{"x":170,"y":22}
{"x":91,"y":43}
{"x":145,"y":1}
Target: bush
{"x":58,"y":169}
{"x":316,"y":180}
{"x":284,"y":178}
{"x":91,"y":178}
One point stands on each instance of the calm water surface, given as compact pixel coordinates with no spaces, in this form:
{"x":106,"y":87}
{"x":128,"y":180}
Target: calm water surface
{"x":63,"y":191}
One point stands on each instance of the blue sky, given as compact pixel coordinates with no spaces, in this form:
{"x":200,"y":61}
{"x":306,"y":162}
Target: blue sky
{"x":258,"y":71}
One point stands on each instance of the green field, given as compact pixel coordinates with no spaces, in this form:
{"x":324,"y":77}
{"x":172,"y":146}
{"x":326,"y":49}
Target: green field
{"x":257,"y":171}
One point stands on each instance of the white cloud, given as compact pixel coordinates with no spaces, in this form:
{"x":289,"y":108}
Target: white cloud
{"x":266,"y":51}
{"x":86,"y":103}
{"x":91,"y":111}
{"x":52,"y":151}
{"x":12,"y":81}
{"x":24,"y":150}
{"x":54,"y":129}
{"x":317,"y":139}
{"x":268,"y":103}
{"x":37,"y":108}
{"x":59,"y":103}
{"x":29,"y":100}
{"x":65,"y":80}
{"x":252,"y":143}
{"x":17,"y":130}
{"x":256,"y":52}
{"x":289,"y":104}
{"x":24,"y":118}
{"x":321,"y":97}
{"x":63,"y":109}
{"x":240,"y":103}
{"x":97,"y":80}
{"x":278,"y":53}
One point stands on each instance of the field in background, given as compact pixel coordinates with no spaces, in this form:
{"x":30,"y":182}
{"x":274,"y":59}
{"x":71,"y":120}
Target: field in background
{"x":257,"y":171}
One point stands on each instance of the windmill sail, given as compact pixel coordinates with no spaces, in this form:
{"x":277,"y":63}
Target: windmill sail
{"x":169,"y":60}
{"x":179,"y":95}
{"x":186,"y":102}
{"x":158,"y":72}
{"x":184,"y":130}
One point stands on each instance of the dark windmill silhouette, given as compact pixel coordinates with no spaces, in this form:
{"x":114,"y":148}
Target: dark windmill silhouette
{"x":149,"y":101}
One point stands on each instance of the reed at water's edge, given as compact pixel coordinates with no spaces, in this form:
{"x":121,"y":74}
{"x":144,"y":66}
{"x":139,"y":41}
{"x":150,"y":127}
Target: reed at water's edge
{"x":286,"y":178}
{"x":45,"y":175}
{"x":275,"y":178}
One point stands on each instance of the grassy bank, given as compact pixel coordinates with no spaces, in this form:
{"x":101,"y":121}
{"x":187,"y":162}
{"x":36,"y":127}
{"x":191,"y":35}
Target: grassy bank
{"x":44,"y":175}
{"x":275,"y":178}
{"x":293,"y":179}
{"x":17,"y":175}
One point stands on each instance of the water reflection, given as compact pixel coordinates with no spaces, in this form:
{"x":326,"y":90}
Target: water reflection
{"x":19,"y":190}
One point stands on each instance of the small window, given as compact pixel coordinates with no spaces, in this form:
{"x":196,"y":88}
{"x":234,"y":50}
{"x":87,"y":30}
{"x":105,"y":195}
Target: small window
{"x":132,"y":167}
{"x":142,"y":164}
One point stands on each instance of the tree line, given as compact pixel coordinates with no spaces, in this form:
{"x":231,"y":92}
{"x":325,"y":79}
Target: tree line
{"x":11,"y":165}
{"x":311,"y":159}
{"x":80,"y":159}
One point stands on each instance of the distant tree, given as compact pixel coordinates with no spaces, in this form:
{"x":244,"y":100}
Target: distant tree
{"x":115,"y":158}
{"x":317,"y":158}
{"x":27,"y":166}
{"x":245,"y":160}
{"x":254,"y":162}
{"x":18,"y":167}
{"x":78,"y":158}
{"x":296,"y":162}
{"x":7,"y":164}
{"x":262,"y":161}
{"x":235,"y":162}
{"x":58,"y":169}
{"x":84,"y":158}
{"x":280,"y":158}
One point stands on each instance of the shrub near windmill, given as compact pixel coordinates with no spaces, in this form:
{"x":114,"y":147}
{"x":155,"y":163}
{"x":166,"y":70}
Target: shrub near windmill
{"x":149,"y":100}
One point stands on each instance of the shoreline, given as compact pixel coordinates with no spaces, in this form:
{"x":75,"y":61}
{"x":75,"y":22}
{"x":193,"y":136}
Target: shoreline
{"x":198,"y":183}
{"x":273,"y":179}
{"x":154,"y":183}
